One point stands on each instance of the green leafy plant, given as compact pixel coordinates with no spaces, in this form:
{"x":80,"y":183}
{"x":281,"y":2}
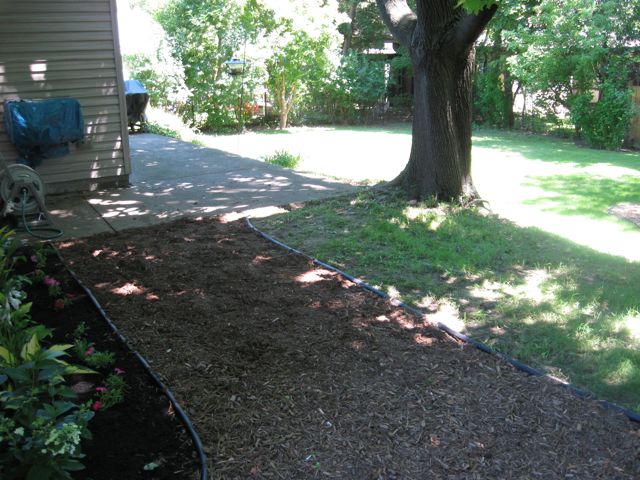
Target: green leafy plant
{"x":100,"y":360}
{"x":86,"y":352}
{"x":39,"y":255}
{"x":282,"y":158}
{"x":42,"y":441}
{"x":603,"y":124}
{"x":40,"y":426}
{"x":158,"y":129}
{"x":113,"y":391}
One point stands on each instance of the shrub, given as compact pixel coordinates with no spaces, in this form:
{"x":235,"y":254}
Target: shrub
{"x":350,"y":91}
{"x":490,"y":106}
{"x":284,"y":159}
{"x":603,"y":124}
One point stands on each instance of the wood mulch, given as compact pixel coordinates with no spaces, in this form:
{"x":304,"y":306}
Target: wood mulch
{"x":290,"y":372}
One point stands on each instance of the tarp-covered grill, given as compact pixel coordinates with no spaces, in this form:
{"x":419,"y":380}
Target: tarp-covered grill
{"x":137,"y":99}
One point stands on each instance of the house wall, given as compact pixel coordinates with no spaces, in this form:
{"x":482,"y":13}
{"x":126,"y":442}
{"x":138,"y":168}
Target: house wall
{"x":52,"y":48}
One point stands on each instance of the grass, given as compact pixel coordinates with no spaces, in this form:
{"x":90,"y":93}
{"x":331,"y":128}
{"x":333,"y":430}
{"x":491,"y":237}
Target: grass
{"x":284,"y":159}
{"x":532,"y":180}
{"x":561,"y":188}
{"x":566,"y":309}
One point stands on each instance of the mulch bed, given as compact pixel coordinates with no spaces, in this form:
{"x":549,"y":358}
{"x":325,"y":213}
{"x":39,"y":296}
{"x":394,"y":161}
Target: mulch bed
{"x":141,"y":431}
{"x":289,"y":371}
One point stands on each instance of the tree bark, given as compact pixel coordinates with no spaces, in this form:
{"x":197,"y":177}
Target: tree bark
{"x":440,"y":38}
{"x":348,"y":37}
{"x":440,"y":160}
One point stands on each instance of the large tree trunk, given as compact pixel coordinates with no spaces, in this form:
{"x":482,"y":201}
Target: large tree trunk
{"x":440,"y":161}
{"x":348,"y":36}
{"x":440,"y":36}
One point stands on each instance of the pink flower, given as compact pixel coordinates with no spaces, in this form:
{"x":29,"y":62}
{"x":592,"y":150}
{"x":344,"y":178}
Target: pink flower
{"x":101,"y":389}
{"x":118,"y":371}
{"x":97,"y":405}
{"x":59,"y":304}
{"x":34,"y":259}
{"x":50,"y":281}
{"x":90,"y":351}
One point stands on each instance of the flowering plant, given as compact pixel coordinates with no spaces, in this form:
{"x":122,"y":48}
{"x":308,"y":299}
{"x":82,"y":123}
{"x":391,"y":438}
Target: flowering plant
{"x":113,"y":391}
{"x":40,"y":426}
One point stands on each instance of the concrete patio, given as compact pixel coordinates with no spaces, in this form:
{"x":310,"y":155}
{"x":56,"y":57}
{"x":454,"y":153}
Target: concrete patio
{"x":172,"y":179}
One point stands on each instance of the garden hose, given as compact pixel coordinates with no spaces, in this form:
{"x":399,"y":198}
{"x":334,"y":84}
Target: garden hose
{"x":56,"y":232}
{"x":630,"y":414}
{"x":156,"y":378}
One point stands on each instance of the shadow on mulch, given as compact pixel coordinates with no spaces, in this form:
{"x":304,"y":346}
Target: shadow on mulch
{"x":288,"y":371}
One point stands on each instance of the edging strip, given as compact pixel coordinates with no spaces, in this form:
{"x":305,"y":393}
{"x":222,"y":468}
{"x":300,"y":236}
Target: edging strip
{"x":630,"y":414}
{"x":165,"y":390}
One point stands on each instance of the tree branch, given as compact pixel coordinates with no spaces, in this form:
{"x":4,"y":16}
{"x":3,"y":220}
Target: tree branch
{"x":399,"y":19}
{"x":470,"y":26}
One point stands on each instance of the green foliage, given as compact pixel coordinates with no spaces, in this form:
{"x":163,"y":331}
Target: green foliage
{"x":284,"y":159}
{"x":352,"y":90}
{"x":490,"y":106}
{"x":114,"y":392}
{"x":40,"y":426}
{"x":296,"y":62}
{"x":86,"y":352}
{"x":158,"y":129}
{"x":603,"y":124}
{"x":100,"y":360}
{"x":364,"y":28}
{"x":42,"y":441}
{"x":204,"y":35}
{"x":162,"y":76}
{"x":475,"y":6}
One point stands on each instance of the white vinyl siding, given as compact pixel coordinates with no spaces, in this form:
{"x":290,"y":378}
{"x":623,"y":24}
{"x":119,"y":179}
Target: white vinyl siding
{"x":55,"y":48}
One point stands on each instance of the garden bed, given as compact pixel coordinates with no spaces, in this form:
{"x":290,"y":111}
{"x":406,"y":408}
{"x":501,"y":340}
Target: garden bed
{"x":289,"y":371}
{"x":140,"y":438}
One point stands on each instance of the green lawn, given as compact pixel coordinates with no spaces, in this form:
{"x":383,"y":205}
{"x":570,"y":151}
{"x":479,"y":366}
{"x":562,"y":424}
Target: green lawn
{"x":553,"y":280}
{"x":532,"y":180}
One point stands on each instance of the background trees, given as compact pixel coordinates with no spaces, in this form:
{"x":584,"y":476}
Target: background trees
{"x":539,"y":64}
{"x":573,"y":59}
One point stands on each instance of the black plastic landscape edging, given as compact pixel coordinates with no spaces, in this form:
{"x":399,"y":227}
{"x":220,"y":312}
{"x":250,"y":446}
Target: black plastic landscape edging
{"x":165,"y":390}
{"x":630,"y":414}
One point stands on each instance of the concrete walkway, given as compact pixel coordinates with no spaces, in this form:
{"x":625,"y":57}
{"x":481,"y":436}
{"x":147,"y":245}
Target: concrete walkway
{"x":171,"y":179}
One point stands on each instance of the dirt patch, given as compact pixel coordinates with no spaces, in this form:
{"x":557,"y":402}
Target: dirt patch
{"x":288,"y":371}
{"x":627,"y":211}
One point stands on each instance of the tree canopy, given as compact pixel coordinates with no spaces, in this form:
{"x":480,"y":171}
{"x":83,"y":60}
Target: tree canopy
{"x":551,"y":53}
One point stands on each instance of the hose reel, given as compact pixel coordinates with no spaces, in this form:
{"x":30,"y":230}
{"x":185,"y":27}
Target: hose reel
{"x":22,"y":195}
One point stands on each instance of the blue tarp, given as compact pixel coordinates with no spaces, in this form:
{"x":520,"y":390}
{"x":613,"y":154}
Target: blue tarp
{"x":131,"y":87}
{"x":43,"y":128}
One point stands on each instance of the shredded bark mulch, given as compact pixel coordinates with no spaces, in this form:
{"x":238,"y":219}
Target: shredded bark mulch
{"x":288,"y":371}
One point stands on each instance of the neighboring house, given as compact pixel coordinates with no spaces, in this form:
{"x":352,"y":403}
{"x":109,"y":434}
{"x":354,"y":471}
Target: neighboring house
{"x":69,"y":48}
